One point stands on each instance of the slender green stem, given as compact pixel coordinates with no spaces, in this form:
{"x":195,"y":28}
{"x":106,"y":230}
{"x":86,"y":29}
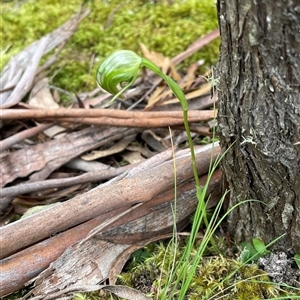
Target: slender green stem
{"x":181,"y":97}
{"x":184,"y":104}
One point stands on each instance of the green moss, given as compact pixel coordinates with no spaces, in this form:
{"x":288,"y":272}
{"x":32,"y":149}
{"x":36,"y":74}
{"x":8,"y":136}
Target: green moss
{"x":216,"y":277}
{"x":162,"y":27}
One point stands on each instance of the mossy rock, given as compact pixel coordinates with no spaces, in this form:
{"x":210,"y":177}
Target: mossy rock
{"x":168,"y":27}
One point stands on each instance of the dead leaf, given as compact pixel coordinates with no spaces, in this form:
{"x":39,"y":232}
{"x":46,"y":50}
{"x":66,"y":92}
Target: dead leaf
{"x":203,"y":90}
{"x":41,"y":97}
{"x":190,"y":76}
{"x":36,"y":209}
{"x":167,"y":67}
{"x":153,"y":140}
{"x":156,"y":96}
{"x":133,"y":157}
{"x":126,"y":292}
{"x":162,"y":62}
{"x":157,"y":58}
{"x":116,"y":148}
{"x":143,"y":150}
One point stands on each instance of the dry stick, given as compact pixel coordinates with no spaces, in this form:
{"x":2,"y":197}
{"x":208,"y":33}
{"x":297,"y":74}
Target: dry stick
{"x":127,"y":189}
{"x":201,"y":42}
{"x":20,"y":136}
{"x":93,"y":176}
{"x":130,"y":123}
{"x":18,"y":114}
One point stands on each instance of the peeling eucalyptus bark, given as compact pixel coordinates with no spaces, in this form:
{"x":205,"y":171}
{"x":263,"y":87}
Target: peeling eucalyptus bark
{"x":258,"y":76}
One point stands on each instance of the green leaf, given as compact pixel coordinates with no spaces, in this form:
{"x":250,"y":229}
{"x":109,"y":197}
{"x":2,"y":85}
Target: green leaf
{"x":245,"y":255}
{"x":248,"y":252}
{"x":140,"y":255}
{"x":297,"y":260}
{"x":260,"y":246}
{"x":253,"y":251}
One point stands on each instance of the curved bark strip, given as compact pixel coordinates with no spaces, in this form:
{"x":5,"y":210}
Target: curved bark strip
{"x":42,"y":159}
{"x":140,"y":184}
{"x":143,"y":223}
{"x":259,"y":109}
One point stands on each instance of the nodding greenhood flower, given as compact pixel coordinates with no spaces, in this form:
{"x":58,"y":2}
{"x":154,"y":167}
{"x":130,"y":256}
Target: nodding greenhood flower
{"x":120,"y":68}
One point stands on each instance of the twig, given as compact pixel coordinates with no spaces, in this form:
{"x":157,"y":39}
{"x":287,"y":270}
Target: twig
{"x":9,"y":114}
{"x":93,"y":176}
{"x":20,"y":136}
{"x":201,"y":42}
{"x":131,"y":123}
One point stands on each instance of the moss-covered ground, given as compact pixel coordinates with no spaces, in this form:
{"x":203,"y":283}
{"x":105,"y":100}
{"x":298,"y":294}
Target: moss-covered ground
{"x":216,"y":276}
{"x":168,"y":27}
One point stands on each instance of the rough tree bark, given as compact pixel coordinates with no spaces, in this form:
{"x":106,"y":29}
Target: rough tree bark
{"x":258,"y":77}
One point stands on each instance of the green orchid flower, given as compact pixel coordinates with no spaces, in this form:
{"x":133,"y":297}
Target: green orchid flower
{"x":120,"y":70}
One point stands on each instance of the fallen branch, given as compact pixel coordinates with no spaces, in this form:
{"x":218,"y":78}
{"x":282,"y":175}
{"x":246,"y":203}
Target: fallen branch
{"x":196,"y":46}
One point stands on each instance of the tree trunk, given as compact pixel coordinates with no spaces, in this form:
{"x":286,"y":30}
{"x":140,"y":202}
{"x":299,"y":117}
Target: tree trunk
{"x":257,"y":78}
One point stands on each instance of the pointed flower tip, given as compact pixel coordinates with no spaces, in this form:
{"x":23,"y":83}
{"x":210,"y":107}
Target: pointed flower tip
{"x":119,"y":69}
